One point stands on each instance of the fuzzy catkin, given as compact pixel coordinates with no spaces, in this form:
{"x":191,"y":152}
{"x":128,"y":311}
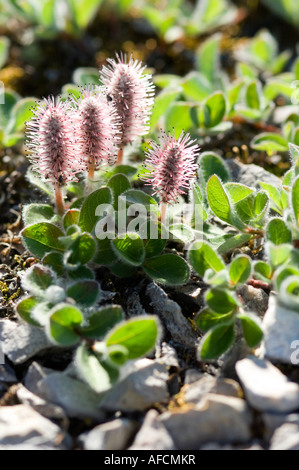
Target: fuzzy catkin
{"x":170,"y":166}
{"x":50,"y":142}
{"x":97,"y":126}
{"x":132,"y":92}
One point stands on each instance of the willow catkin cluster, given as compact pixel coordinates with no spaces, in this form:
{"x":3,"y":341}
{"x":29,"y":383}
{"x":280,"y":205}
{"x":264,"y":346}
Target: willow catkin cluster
{"x":51,"y":144}
{"x":96,"y":125}
{"x":132,"y":92}
{"x":170,"y":166}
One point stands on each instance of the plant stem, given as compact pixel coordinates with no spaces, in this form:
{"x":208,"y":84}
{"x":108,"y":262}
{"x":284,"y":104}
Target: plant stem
{"x":91,"y":168}
{"x":120,"y":155}
{"x":59,"y":200}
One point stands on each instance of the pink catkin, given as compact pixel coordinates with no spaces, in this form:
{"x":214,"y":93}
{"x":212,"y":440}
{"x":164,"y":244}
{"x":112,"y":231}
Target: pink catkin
{"x":171,"y":166}
{"x":132,"y":92}
{"x":50,"y":142}
{"x":97,"y":126}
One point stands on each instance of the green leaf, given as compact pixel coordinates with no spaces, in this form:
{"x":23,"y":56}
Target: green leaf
{"x":220,"y":300}
{"x":118,"y":184}
{"x":162,"y":102}
{"x":82,"y":250}
{"x":212,"y":164}
{"x":84,"y":11}
{"x":253,"y":98}
{"x":233,"y":242}
{"x":289,"y":290}
{"x":41,"y":238}
{"x":105,"y":255}
{"x":216,"y":341}
{"x":283,"y":273}
{"x":25,"y":309}
{"x":99,"y":323}
{"x":202,"y":257}
{"x":20,"y":113}
{"x":196,"y":86}
{"x":275,"y":196}
{"x":55,"y":261}
{"x":137,"y":335}
{"x":71,"y":218}
{"x":86,"y":75}
{"x":270,"y":142}
{"x":181,"y":232}
{"x":219,"y":202}
{"x":134,"y":196}
{"x":80,"y":273}
{"x":154,"y":243}
{"x":35,"y":213}
{"x":122,"y":269}
{"x":262,"y":271}
{"x":127,"y":170}
{"x":10,"y":98}
{"x":208,"y":57}
{"x":212,"y":111}
{"x":117,"y":355}
{"x":167,"y":269}
{"x":85,"y":293}
{"x":278,"y":232}
{"x":252,"y":330}
{"x":4,"y":50}
{"x":237,"y":191}
{"x":240,"y":269}
{"x":63,"y":323}
{"x":278,"y":254}
{"x":88,"y":217}
{"x":295,"y":199}
{"x":207,"y":319}
{"x":130,"y":248}
{"x":37,"y":279}
{"x":181,"y":116}
{"x":91,"y":370}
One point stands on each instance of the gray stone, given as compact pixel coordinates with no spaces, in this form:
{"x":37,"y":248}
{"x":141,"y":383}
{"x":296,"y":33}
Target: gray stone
{"x":251,"y":174}
{"x":215,"y":418}
{"x":113,"y":435}
{"x":265,"y":387}
{"x":152,"y":435}
{"x":286,"y":437}
{"x":194,"y":392}
{"x":76,"y":398}
{"x":140,"y":389}
{"x":255,"y":300}
{"x":7,"y":374}
{"x":20,"y":341}
{"x":271,"y":422}
{"x":168,"y":356}
{"x":171,"y":314}
{"x":21,"y":425}
{"x":34,"y":375}
{"x":192,"y":375}
{"x":281,"y":334}
{"x":49,"y":410}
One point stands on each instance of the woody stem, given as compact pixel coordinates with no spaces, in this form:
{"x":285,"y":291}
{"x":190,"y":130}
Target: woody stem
{"x":59,"y":200}
{"x":120,"y":155}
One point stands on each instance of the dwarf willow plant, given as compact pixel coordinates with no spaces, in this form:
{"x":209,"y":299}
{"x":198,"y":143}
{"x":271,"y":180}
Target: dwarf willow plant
{"x":265,"y":219}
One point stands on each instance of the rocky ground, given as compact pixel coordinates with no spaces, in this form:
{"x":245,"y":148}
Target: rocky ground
{"x":241,"y":401}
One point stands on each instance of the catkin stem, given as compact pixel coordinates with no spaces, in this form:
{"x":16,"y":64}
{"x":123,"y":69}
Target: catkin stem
{"x":91,"y":168}
{"x":59,"y":200}
{"x":120,"y":155}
